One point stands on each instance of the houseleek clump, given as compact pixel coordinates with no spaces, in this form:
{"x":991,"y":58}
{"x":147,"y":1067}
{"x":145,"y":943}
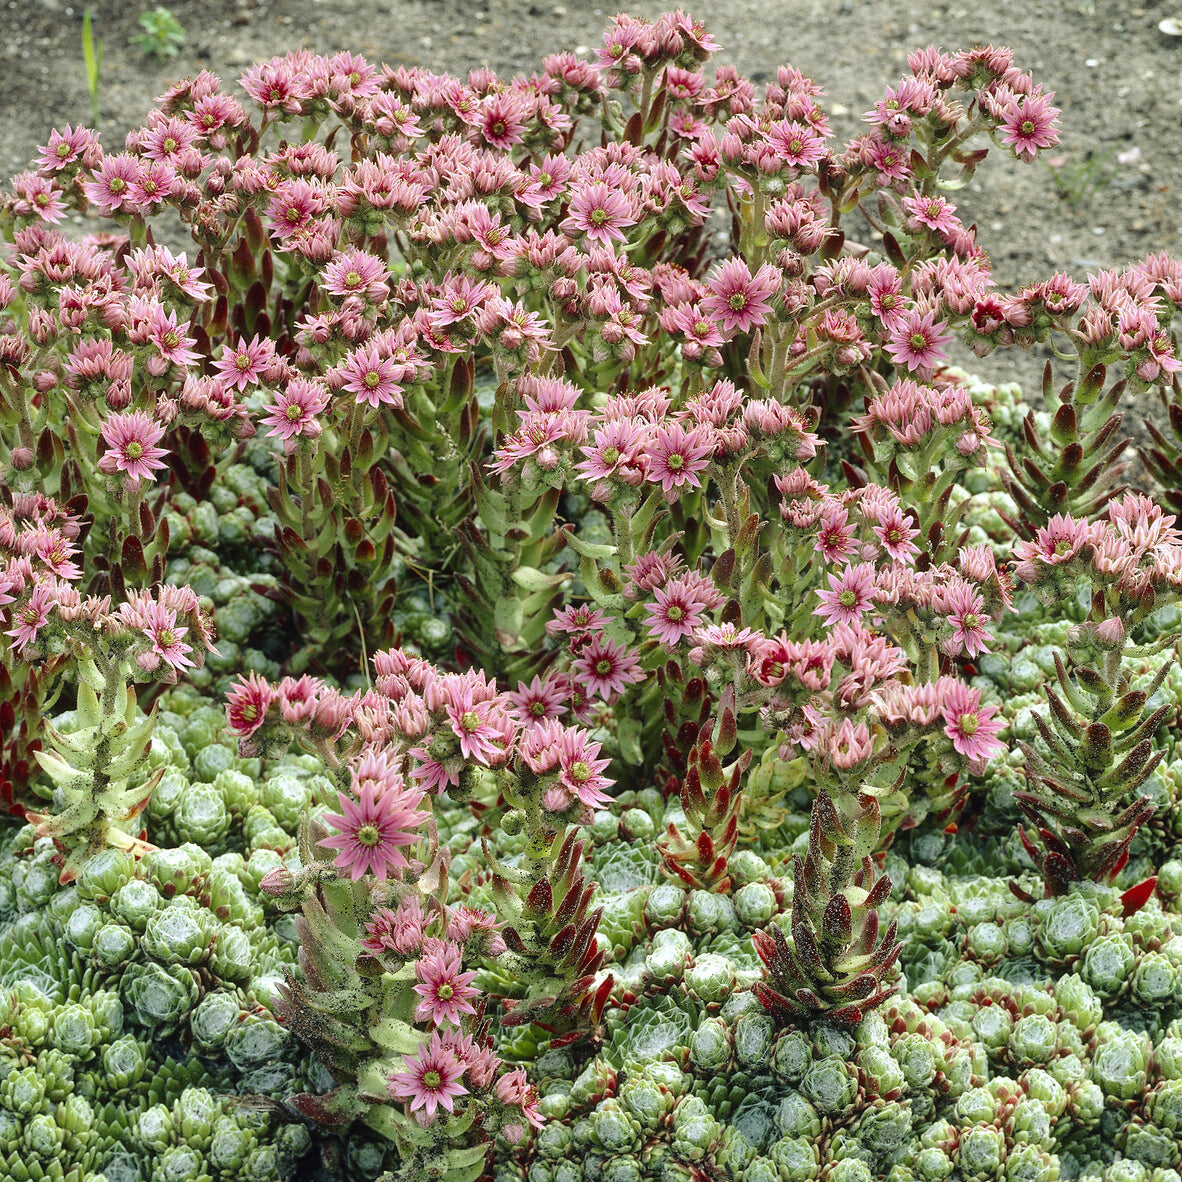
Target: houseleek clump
{"x":665,"y":724}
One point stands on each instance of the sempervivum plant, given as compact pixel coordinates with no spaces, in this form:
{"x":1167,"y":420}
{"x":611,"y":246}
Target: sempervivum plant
{"x":506,"y":673}
{"x":1095,"y":747}
{"x":838,"y":964}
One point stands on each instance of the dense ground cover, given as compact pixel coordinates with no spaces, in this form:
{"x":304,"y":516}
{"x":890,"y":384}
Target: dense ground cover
{"x":523,"y":659}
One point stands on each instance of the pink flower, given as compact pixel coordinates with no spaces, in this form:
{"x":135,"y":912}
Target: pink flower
{"x":294,"y":412}
{"x":400,"y":932}
{"x":847,"y":744}
{"x":371,"y":378}
{"x":1058,"y":542}
{"x":356,"y":273}
{"x":173,"y":343}
{"x":851,"y":593}
{"x":65,"y":148}
{"x":164,"y":634}
{"x":245,"y":364}
{"x":966,"y":614}
{"x":579,"y":769}
{"x":132,"y":439}
{"x":372,"y":829}
{"x":835,"y":538}
{"x":576,"y":621}
{"x":40,"y":196}
{"x":887,"y":301}
{"x":477,"y":1059}
{"x":600,"y":212}
{"x":444,"y":989}
{"x":166,"y":138}
{"x":890,"y":161}
{"x":514,"y":1089}
{"x":917,"y":341}
{"x":675,"y":615}
{"x":539,"y":701}
{"x":479,"y":726}
{"x":737,"y":298}
{"x":276,"y":84}
{"x":470,"y":924}
{"x":247,"y":704}
{"x":113,"y":187}
{"x":895,"y":533}
{"x":971,"y":726}
{"x":211,"y":112}
{"x":431,"y":1079}
{"x":606,"y":668}
{"x":459,"y":297}
{"x":32,"y":616}
{"x":715,"y":639}
{"x":294,"y":208}
{"x":935,"y":212}
{"x":154,"y":182}
{"x":1028,"y":123}
{"x":616,"y":450}
{"x":795,"y":143}
{"x":676,"y":456}
{"x":502,"y":119}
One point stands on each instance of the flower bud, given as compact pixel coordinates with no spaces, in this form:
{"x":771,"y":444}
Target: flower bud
{"x":277,"y":882}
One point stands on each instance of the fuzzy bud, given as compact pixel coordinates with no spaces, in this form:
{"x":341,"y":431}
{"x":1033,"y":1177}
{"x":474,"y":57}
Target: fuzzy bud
{"x":277,"y":882}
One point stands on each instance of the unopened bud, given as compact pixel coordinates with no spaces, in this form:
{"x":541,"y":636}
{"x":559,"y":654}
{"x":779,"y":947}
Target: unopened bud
{"x":277,"y":882}
{"x":1110,"y":634}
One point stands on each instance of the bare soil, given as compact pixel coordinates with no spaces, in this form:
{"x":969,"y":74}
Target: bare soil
{"x":1113,"y":197}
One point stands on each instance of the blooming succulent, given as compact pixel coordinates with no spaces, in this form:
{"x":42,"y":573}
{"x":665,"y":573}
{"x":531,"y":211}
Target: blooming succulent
{"x":453,"y":516}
